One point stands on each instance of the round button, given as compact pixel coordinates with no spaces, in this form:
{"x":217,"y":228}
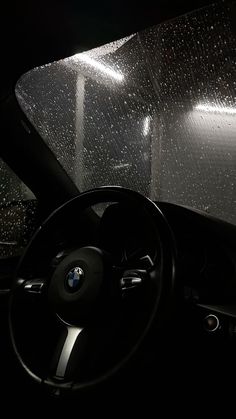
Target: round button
{"x":211,"y":323}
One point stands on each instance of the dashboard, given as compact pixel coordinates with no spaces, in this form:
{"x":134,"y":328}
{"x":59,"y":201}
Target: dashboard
{"x":206,"y":250}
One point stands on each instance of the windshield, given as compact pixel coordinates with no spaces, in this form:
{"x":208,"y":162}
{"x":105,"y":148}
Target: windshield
{"x":154,"y":112}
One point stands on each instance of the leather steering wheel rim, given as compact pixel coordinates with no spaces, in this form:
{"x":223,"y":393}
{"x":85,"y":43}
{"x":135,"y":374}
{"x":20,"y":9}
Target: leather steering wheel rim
{"x":164,"y":235}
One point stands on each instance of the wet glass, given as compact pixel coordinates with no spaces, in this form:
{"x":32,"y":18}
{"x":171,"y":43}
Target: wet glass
{"x":155,"y":112}
{"x":18,"y":213}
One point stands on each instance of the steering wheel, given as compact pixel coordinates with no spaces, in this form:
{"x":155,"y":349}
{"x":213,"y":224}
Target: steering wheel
{"x":89,"y":287}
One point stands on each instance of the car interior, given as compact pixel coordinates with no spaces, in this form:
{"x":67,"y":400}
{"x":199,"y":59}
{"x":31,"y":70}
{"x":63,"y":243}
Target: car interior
{"x":118,"y":204}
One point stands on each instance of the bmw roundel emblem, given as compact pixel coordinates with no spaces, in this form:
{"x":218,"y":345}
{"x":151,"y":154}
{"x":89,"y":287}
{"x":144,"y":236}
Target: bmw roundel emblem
{"x":74,"y":279}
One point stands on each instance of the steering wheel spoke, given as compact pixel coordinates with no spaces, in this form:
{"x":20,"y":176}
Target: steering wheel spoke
{"x":35,"y":286}
{"x":133,"y":279}
{"x":136,"y":274}
{"x":69,"y":351}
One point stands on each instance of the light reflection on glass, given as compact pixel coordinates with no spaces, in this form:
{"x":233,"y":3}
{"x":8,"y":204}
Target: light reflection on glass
{"x":146,"y":125}
{"x":85,"y":58}
{"x":215,"y":109}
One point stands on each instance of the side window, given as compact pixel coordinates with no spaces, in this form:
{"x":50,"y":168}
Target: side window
{"x":18,"y":213}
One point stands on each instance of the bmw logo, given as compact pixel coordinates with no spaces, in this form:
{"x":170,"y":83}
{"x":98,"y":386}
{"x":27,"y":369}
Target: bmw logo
{"x":74,"y":279}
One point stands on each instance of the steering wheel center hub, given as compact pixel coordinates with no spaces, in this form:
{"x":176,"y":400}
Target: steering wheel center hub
{"x":75,"y":286}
